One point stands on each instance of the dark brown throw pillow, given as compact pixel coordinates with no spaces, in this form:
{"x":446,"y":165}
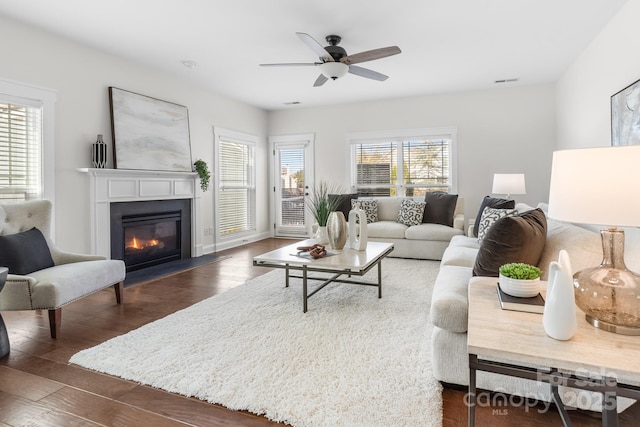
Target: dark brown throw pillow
{"x":24,"y":253}
{"x":440,"y":208}
{"x":345,"y":202}
{"x":518,"y":238}
{"x":492,"y":202}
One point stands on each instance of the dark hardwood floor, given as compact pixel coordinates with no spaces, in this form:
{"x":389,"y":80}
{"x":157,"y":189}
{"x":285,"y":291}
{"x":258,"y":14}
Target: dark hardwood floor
{"x":39,"y":388}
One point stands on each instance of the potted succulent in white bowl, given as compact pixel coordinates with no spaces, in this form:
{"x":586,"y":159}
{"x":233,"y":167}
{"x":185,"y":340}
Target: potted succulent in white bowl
{"x":519,"y":279}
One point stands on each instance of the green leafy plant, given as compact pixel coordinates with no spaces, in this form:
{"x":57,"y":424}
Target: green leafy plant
{"x":203,"y":172}
{"x":519,"y":270}
{"x":319,"y":204}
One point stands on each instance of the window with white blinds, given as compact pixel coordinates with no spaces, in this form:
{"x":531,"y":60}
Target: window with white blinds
{"x":236,"y":194}
{"x":403,"y":163}
{"x":20,"y":150}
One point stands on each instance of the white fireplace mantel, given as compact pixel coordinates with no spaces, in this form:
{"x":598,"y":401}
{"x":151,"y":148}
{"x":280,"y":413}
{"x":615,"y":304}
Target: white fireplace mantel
{"x":108,"y":186}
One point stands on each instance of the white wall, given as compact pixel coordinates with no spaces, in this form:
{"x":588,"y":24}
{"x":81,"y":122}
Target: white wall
{"x":506,"y":130}
{"x":609,"y":64}
{"x":81,"y":76}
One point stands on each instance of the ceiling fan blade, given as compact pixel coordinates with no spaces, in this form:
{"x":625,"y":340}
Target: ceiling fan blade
{"x":370,"y":55}
{"x":365,"y":72}
{"x":316,"y":47}
{"x":322,"y":79}
{"x":293,"y":64}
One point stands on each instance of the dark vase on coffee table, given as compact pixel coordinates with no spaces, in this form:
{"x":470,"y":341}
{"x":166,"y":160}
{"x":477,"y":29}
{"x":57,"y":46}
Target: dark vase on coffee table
{"x":4,"y":338}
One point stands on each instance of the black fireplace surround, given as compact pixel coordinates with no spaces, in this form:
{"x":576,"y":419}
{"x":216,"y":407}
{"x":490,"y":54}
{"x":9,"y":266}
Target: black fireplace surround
{"x":148,"y":233}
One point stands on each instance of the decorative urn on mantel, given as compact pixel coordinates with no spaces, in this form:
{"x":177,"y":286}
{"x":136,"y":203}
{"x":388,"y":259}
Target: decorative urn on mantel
{"x":99,"y":153}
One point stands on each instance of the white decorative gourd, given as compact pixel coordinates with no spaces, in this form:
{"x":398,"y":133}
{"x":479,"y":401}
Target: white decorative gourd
{"x":358,"y":232}
{"x":559,"y":317}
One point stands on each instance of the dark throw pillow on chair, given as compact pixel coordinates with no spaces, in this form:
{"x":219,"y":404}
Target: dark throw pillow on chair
{"x":25,"y":252}
{"x":491,"y":202}
{"x":440,"y":208}
{"x":518,"y":238}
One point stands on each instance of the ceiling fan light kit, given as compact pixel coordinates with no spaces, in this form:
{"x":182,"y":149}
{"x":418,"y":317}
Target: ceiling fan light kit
{"x":335,"y":63}
{"x":334,"y":70}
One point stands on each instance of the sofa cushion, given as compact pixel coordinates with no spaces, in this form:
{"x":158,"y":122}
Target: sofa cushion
{"x":369,"y":206}
{"x":449,"y":304}
{"x":459,"y":255}
{"x":518,"y":238}
{"x":466,"y":241}
{"x":492,"y":202}
{"x":583,"y":246}
{"x":489,"y":217}
{"x":344,"y":205}
{"x":433,"y":232}
{"x":79,"y":279}
{"x":386,"y":230}
{"x":25,"y":252}
{"x":440,"y":208}
{"x":411,"y":212}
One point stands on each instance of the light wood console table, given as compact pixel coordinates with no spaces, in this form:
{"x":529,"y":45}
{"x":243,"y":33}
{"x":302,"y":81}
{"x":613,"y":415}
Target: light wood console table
{"x":594,"y":359}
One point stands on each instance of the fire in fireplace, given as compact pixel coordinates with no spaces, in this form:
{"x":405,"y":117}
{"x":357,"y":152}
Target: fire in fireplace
{"x":151,"y":232}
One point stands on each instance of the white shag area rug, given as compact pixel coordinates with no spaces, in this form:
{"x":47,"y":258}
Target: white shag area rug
{"x":351,"y":360}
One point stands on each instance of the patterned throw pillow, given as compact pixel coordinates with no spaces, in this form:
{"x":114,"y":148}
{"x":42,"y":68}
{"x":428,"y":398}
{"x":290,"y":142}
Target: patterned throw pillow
{"x":411,"y":212}
{"x":370,"y":207}
{"x":489,"y":217}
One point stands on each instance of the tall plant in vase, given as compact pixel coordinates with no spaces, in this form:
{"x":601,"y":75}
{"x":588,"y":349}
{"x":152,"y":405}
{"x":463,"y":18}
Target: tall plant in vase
{"x":321,"y":206}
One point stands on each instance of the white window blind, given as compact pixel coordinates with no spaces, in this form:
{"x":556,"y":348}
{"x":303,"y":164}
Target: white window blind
{"x":403,"y":164}
{"x":236,"y":189}
{"x":20,"y":150}
{"x":426,"y":165}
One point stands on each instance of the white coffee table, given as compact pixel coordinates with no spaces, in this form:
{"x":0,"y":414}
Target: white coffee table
{"x":347,"y":262}
{"x":593,"y":359}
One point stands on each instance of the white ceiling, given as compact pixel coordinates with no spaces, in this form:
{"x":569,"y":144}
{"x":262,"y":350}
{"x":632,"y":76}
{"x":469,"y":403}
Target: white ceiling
{"x":447,"y":45}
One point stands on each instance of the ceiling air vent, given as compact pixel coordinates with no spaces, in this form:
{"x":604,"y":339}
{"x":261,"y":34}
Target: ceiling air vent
{"x":506,"y":81}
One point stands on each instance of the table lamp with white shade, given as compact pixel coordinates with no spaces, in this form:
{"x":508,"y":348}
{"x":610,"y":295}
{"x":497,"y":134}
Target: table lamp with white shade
{"x":508,"y":183}
{"x":601,"y":186}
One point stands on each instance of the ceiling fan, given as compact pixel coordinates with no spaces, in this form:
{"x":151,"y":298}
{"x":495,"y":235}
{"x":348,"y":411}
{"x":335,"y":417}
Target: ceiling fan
{"x":334,"y":61}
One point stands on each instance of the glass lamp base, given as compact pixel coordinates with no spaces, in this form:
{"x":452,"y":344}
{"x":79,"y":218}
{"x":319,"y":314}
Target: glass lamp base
{"x":610,"y":327}
{"x":609,"y":294}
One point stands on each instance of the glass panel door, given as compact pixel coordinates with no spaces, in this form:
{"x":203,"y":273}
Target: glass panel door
{"x":291,"y":183}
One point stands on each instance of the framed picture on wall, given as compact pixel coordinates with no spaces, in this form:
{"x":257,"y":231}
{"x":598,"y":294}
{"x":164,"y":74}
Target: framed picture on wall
{"x":625,"y":116}
{"x":148,"y":133}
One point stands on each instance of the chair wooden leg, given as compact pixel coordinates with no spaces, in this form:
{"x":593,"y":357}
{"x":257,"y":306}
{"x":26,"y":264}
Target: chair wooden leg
{"x":55,"y":317}
{"x":119,"y":288}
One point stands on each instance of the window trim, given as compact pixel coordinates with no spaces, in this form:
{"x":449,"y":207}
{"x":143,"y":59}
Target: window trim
{"x":399,"y":135}
{"x":20,"y":92}
{"x":228,"y":135}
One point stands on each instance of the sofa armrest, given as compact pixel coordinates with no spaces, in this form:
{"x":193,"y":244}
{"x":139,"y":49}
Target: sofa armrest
{"x":60,"y":257}
{"x":450,"y":299}
{"x":16,"y":294}
{"x":458,"y":221}
{"x":472,"y":222}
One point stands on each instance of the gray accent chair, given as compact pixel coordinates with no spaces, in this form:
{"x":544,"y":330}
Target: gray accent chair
{"x":72,"y":276}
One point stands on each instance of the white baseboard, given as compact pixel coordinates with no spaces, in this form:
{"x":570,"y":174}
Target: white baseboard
{"x":232,"y":243}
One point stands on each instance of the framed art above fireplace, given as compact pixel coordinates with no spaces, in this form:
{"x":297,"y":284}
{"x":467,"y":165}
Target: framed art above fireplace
{"x":148,"y":133}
